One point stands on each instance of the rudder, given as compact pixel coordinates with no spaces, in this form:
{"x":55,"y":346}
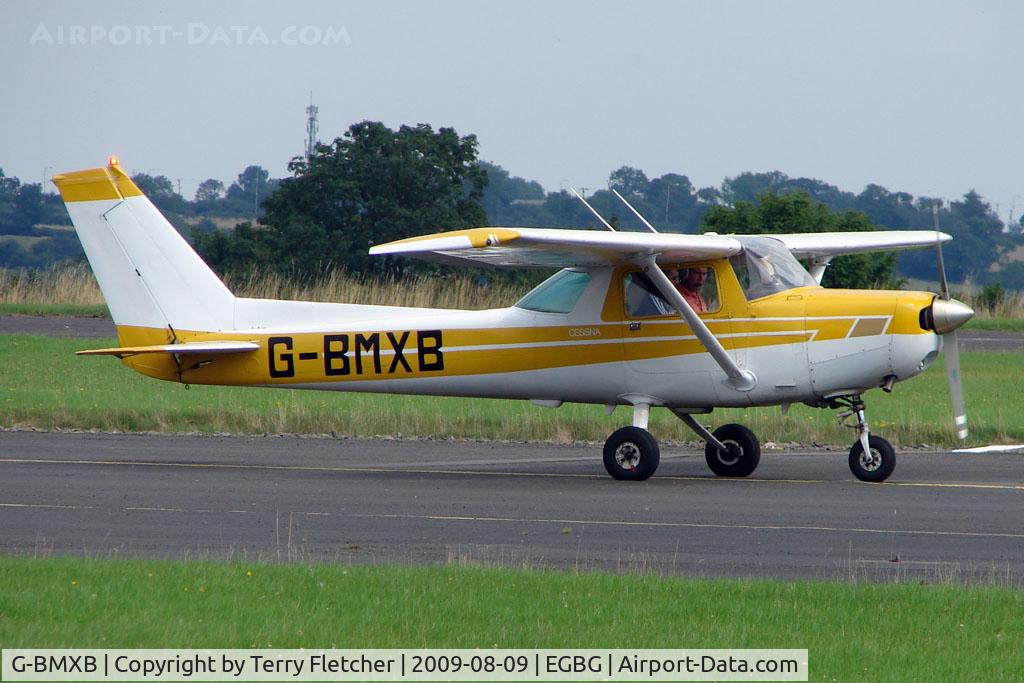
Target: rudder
{"x":149,"y":275}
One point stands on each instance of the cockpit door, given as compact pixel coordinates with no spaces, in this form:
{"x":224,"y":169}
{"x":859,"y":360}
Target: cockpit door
{"x":656,"y":339}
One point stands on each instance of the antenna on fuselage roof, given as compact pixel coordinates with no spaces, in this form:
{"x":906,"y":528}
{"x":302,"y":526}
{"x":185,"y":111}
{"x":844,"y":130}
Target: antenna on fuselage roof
{"x":592,"y":209}
{"x":637,"y":213}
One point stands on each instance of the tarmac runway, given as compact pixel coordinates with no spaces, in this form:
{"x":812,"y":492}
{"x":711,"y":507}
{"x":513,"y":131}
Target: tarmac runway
{"x":941,"y":517}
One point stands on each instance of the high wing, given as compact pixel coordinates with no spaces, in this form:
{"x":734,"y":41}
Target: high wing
{"x":561,"y":248}
{"x":823,"y":245}
{"x":557,"y":248}
{"x":200,"y":347}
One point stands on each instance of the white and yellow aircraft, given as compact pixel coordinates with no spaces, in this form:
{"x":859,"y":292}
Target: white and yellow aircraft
{"x":610,"y":328}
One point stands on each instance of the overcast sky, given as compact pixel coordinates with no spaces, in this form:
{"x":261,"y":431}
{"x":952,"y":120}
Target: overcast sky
{"x":921,"y":97}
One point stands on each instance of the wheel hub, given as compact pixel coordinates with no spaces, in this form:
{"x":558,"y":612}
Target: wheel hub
{"x":627,"y":455}
{"x":732,"y":454}
{"x":871,"y":460}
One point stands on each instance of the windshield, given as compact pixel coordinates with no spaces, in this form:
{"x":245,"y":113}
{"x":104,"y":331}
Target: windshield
{"x":558,"y":294}
{"x":766,"y":266}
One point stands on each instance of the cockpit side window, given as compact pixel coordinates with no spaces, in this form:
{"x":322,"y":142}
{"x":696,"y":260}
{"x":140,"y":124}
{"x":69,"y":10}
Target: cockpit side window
{"x":697,"y":284}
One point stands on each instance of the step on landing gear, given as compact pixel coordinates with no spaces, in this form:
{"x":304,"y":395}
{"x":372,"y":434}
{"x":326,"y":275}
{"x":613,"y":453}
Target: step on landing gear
{"x":872,"y":458}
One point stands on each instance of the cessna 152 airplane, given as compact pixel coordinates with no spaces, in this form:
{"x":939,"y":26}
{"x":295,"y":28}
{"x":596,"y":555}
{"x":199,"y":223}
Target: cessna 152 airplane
{"x":609,"y":328}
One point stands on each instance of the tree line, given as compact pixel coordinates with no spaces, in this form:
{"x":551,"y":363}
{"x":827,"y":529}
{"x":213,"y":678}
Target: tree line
{"x":374,"y":184}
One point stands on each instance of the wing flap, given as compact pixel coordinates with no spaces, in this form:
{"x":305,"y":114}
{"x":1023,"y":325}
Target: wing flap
{"x":560,"y":248}
{"x":187,"y":348}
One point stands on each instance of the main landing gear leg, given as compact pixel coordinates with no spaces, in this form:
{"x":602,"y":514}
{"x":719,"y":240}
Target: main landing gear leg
{"x":731,"y":451}
{"x":631,"y":453}
{"x":872,"y":458}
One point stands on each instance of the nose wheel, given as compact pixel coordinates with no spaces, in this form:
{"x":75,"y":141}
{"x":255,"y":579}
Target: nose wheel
{"x":875,"y":464}
{"x":872,"y":458}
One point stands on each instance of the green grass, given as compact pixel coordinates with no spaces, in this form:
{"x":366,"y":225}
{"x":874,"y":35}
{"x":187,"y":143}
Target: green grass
{"x":77,"y":310}
{"x":998,"y":324}
{"x":852,"y":631}
{"x":46,"y":386}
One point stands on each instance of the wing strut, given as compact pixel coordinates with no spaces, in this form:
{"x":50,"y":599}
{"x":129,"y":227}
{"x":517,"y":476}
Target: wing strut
{"x":592,"y":209}
{"x":739,"y":379}
{"x":637,"y":213}
{"x":818,"y":266}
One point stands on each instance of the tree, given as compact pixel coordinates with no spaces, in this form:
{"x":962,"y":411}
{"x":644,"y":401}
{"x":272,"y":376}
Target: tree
{"x":247,"y":193}
{"x":747,"y":186}
{"x":209,"y":190}
{"x":161,"y":192}
{"x":629,"y":181}
{"x":251,"y":183}
{"x":154,"y":187}
{"x":977,"y":237}
{"x":372,"y":185}
{"x":796,"y":212}
{"x":28,"y":206}
{"x":512,"y":200}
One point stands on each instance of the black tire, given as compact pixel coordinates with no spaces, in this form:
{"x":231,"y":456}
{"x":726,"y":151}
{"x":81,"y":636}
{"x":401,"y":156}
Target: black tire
{"x":743,"y":455}
{"x":880,"y":466}
{"x":631,"y":454}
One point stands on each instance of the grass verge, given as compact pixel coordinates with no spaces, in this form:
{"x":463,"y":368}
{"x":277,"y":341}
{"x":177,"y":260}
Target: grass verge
{"x":996,"y":324}
{"x":46,"y":386}
{"x":852,"y":631}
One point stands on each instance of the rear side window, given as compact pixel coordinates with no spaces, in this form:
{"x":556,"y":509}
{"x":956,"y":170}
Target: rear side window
{"x":558,"y":294}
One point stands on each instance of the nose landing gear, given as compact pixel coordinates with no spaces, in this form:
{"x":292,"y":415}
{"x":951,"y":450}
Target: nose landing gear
{"x":872,"y":458}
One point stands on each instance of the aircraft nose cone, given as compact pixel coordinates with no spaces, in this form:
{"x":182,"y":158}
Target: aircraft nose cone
{"x":949,"y":315}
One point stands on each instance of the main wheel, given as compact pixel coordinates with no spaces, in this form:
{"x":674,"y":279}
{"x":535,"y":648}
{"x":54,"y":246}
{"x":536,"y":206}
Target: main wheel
{"x":742,"y":455}
{"x":631,"y":454}
{"x":875,"y":466}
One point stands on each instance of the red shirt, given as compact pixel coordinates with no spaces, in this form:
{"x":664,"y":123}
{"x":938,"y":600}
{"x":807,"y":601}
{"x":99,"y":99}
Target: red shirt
{"x":695,"y":300}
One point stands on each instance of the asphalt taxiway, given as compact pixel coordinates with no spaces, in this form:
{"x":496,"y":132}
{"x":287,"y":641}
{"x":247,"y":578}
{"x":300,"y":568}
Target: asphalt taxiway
{"x":941,"y":517}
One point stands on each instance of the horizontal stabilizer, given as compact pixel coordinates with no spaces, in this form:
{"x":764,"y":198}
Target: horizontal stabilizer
{"x":199,"y":347}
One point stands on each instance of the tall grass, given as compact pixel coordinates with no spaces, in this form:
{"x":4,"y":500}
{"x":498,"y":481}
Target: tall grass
{"x":74,"y":285}
{"x":422,"y":291}
{"x":66,"y":283}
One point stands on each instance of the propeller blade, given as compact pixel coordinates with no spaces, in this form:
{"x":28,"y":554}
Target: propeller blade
{"x":956,"y":387}
{"x":949,"y":341}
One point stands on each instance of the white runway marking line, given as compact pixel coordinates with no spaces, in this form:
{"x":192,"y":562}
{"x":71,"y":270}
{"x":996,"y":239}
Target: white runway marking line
{"x":694,"y":525}
{"x":203,"y":511}
{"x":49,"y":506}
{"x":990,"y":449}
{"x":291,"y":468}
{"x":484,"y":473}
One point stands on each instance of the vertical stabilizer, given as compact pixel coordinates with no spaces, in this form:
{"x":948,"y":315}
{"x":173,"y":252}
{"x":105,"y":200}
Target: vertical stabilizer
{"x":148,"y":273}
